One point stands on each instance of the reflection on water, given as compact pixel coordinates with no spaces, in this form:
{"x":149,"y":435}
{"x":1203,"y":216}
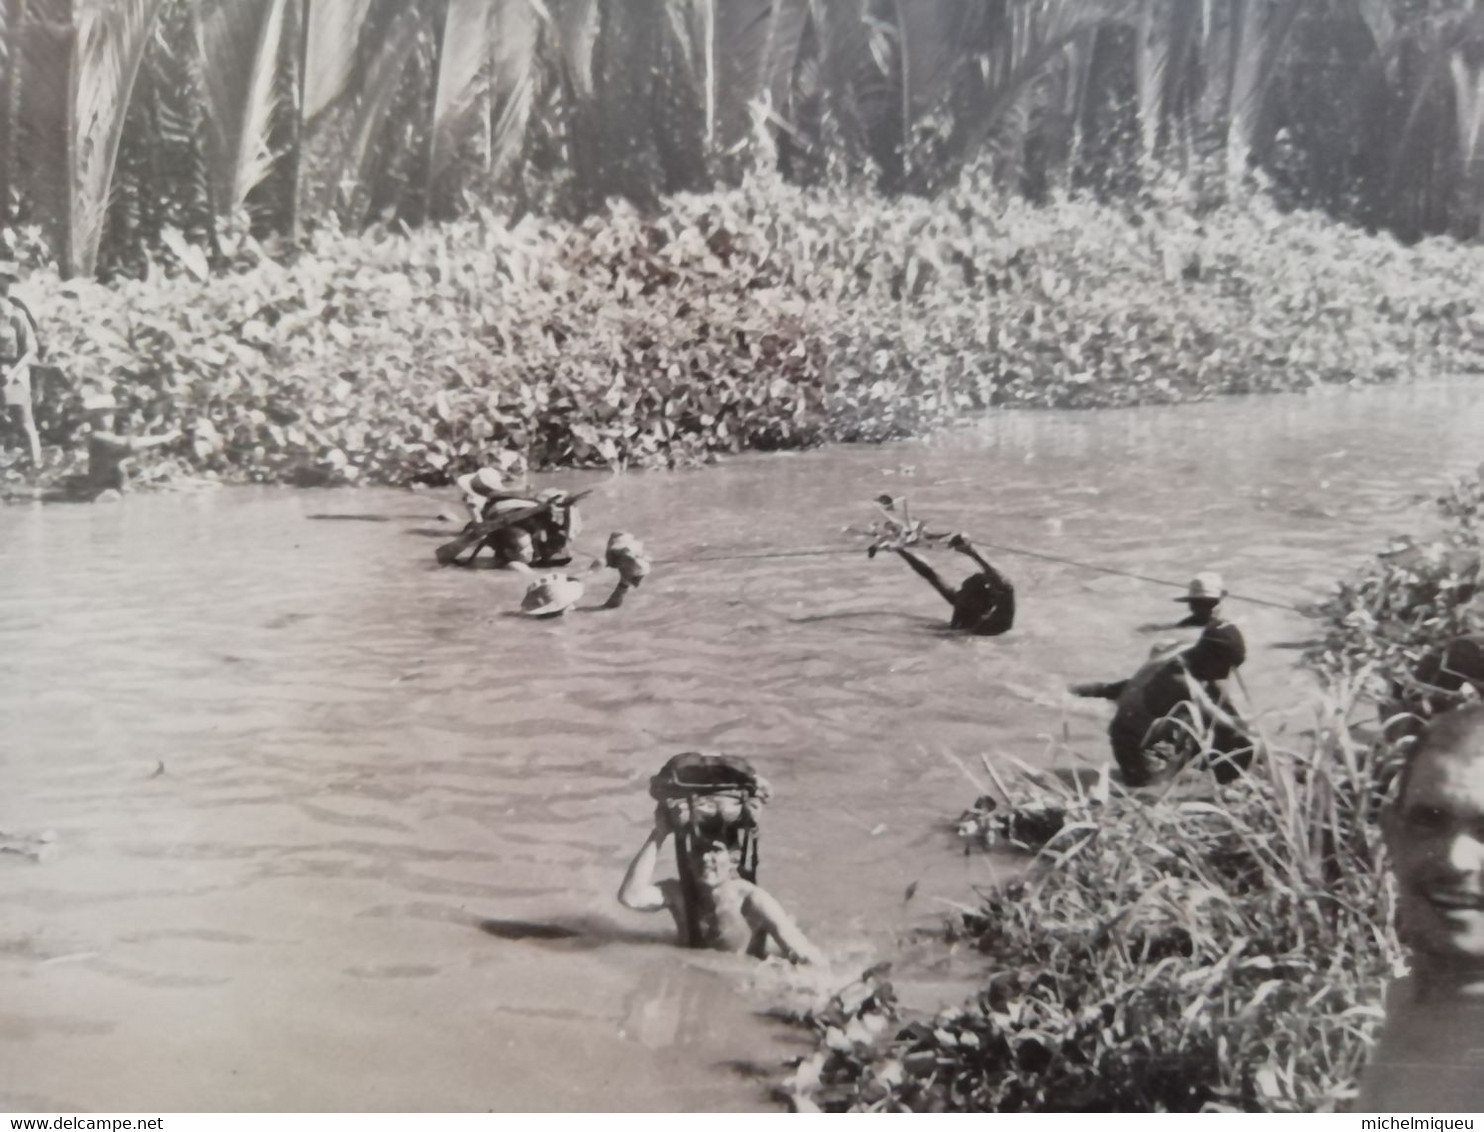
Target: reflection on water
{"x":330,"y":831}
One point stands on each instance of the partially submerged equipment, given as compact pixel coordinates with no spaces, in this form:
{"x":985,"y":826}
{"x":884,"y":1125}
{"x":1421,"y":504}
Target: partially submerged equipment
{"x":709,"y":798}
{"x":558,"y":508}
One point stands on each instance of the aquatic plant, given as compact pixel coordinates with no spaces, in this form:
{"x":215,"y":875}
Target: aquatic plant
{"x":763,"y":317}
{"x":1180,"y":951}
{"x":1412,"y":599}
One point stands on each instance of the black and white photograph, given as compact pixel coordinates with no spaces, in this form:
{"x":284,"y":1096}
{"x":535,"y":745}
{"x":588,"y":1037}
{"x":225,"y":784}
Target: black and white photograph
{"x":741,"y":556}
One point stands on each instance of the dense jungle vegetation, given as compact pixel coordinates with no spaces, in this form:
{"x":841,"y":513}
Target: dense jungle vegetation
{"x":671,"y":229}
{"x":125,"y":120}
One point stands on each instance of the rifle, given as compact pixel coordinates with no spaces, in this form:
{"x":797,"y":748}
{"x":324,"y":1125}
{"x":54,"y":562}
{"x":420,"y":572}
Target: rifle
{"x":475,"y":534}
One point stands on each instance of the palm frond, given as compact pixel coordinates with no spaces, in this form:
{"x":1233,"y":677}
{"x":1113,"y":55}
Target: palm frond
{"x":1467,"y":75}
{"x":81,"y":60}
{"x":1261,"y":31}
{"x":754,"y":45}
{"x":514,"y":57}
{"x":377,"y":89}
{"x":1015,"y":46}
{"x":331,"y":42}
{"x":1167,"y":33}
{"x":577,"y":24}
{"x":238,"y":42}
{"x":463,"y":50}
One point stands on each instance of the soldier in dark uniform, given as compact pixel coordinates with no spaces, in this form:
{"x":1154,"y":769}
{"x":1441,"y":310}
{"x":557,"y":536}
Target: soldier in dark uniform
{"x":1173,"y":697}
{"x":983,"y":605}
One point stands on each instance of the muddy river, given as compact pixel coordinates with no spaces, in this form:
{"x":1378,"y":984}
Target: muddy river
{"x":294,"y":820}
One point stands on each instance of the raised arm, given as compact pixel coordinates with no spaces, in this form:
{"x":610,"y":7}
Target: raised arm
{"x":923,"y":570}
{"x":639,"y":890}
{"x":765,"y":914}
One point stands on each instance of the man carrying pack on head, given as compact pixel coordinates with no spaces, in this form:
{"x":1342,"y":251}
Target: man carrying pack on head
{"x":710,"y":803}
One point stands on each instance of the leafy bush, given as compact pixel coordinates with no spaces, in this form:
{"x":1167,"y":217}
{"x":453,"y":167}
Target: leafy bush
{"x":1173,"y":953}
{"x":762,"y":317}
{"x":1412,"y":600}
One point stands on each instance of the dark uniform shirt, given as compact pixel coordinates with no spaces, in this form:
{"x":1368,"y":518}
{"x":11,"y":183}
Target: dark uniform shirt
{"x":1156,"y":692}
{"x":985,"y":604}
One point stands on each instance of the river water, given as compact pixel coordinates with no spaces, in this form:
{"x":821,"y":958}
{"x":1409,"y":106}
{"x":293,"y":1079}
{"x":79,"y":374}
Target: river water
{"x":298,"y":821}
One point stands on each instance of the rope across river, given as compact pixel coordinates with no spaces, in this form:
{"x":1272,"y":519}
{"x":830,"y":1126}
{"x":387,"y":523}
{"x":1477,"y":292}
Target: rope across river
{"x":913,"y":532}
{"x":820,"y":552}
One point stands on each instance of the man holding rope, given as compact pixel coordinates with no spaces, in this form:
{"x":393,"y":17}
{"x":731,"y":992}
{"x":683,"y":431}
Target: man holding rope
{"x":983,"y":605}
{"x":1176,"y":707}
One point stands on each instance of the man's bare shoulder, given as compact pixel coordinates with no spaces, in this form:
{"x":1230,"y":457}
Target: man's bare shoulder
{"x":758,"y":899}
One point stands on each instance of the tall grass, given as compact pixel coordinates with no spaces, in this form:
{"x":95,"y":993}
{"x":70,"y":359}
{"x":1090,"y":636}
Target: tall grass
{"x":1181,"y":950}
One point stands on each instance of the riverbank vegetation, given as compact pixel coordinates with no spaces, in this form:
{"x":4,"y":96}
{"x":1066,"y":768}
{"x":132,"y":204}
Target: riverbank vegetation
{"x":668,"y":229}
{"x":767,"y":316}
{"x":1180,"y":952}
{"x":1183,"y":949}
{"x":1411,"y":600}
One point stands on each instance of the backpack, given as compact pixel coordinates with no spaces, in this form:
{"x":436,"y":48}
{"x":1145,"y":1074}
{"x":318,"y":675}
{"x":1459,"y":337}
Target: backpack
{"x":692,"y":773}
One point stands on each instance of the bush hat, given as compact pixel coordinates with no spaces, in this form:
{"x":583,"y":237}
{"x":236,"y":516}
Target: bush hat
{"x":551,"y":595}
{"x":484,"y":480}
{"x":1206,"y":586}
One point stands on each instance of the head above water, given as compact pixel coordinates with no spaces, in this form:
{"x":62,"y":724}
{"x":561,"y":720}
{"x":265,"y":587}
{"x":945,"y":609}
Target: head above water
{"x":715,"y":862}
{"x":1435,"y":835}
{"x":1205,"y":589}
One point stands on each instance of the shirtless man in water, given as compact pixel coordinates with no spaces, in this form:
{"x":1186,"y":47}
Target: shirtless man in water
{"x":734,"y":914}
{"x":109,"y":452}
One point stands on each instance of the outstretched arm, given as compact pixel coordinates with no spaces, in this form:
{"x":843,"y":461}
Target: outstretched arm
{"x":140,"y":443}
{"x":767,"y":915}
{"x":949,"y":594}
{"x":639,"y":890}
{"x":1110,"y":691}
